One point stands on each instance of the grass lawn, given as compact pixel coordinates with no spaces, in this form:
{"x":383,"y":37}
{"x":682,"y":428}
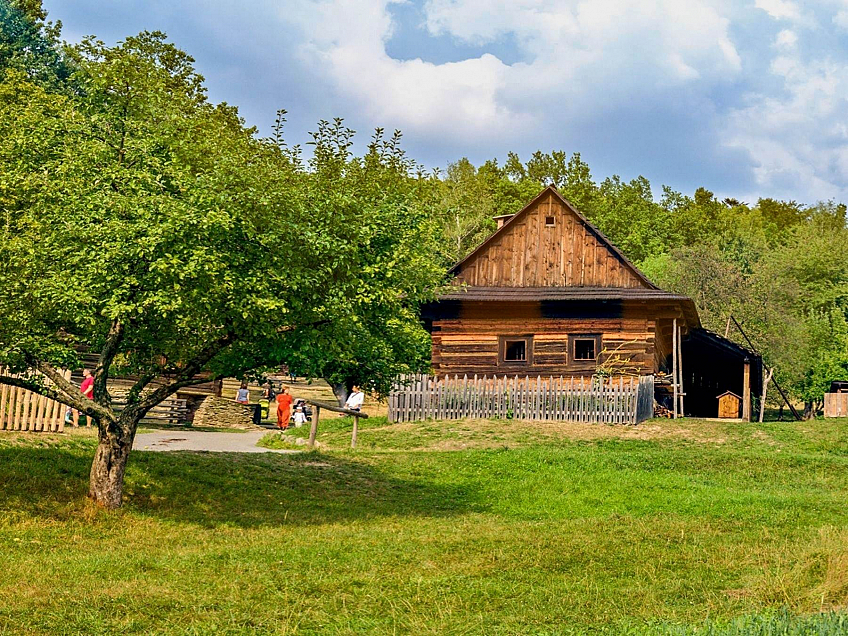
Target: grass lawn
{"x":451,"y":527}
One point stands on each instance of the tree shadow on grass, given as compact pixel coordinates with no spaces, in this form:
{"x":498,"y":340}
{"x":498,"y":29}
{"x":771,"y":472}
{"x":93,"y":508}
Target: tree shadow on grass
{"x":212,"y":489}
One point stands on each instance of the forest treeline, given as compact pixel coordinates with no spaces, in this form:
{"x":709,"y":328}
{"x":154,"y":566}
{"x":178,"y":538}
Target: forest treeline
{"x":121,"y":139}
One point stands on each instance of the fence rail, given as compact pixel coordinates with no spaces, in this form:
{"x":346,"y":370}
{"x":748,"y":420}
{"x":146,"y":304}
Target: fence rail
{"x":621,"y":400}
{"x":23,"y":410}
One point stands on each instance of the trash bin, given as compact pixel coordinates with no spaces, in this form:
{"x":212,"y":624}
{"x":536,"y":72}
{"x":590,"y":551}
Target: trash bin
{"x":257,"y":413}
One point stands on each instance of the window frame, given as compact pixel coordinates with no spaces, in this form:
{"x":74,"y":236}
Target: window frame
{"x":528,"y":350}
{"x":572,"y":348}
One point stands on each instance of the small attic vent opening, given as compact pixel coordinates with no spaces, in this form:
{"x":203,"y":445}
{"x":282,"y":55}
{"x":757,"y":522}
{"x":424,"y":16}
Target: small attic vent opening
{"x":550,"y":221}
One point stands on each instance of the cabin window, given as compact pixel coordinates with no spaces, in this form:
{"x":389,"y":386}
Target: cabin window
{"x":550,"y":221}
{"x":585,"y":348}
{"x":515,"y":350}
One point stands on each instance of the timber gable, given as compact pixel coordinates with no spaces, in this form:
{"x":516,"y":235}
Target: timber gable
{"x":549,"y":243}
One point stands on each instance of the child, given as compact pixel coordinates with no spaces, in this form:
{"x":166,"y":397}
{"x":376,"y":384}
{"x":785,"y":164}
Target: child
{"x":299,"y":416}
{"x":243,"y":394}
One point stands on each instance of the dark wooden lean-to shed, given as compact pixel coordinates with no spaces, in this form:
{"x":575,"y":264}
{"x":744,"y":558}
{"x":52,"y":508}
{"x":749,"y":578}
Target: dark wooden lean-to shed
{"x":549,"y":294}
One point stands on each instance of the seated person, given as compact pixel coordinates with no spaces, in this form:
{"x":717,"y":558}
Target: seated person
{"x":355,"y":399}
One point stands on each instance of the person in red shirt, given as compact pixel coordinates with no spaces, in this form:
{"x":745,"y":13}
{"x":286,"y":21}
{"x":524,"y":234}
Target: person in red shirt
{"x":87,"y":389}
{"x":284,"y":403}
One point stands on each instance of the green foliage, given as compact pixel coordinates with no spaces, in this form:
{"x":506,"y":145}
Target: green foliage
{"x":30,"y":44}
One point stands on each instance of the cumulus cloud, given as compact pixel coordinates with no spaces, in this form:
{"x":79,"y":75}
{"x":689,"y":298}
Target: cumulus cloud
{"x":786,"y":39}
{"x":661,"y":82}
{"x":779,"y":9}
{"x":797,"y":136}
{"x":579,"y":53}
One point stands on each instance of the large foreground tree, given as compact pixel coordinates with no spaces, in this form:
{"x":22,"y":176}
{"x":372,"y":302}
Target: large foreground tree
{"x":152,"y":227}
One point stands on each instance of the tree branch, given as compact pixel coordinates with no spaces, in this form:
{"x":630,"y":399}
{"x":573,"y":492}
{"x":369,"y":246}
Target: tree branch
{"x":136,"y":389}
{"x":107,"y":355}
{"x":80,"y":403}
{"x":185,"y":377}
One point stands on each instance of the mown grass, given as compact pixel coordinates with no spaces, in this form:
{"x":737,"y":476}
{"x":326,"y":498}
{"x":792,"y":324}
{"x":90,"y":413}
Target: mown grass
{"x":440,"y":527}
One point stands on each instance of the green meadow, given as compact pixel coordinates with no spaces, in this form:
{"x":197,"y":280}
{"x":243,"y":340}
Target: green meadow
{"x":688,"y":527}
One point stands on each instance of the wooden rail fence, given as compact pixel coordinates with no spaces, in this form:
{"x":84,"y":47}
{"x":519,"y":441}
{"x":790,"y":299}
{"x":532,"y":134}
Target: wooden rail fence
{"x":621,"y":400}
{"x":22,"y":410}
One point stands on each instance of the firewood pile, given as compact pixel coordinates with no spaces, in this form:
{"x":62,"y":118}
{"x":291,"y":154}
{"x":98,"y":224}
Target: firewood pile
{"x":661,"y":411}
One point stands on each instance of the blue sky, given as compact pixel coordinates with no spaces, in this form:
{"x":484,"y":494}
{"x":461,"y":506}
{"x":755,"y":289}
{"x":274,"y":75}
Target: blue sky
{"x":748,"y":98}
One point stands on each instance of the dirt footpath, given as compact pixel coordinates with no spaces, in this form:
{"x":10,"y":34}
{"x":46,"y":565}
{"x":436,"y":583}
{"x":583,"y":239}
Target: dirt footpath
{"x":213,"y":442}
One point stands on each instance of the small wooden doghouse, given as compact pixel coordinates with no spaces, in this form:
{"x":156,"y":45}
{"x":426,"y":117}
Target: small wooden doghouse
{"x":729,"y":405}
{"x":836,"y":400}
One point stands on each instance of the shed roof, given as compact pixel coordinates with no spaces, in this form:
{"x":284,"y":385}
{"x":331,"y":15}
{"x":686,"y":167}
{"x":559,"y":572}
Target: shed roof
{"x":724,"y":344}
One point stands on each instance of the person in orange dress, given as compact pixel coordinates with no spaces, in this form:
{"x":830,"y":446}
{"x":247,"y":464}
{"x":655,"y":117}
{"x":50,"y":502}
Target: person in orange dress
{"x":284,"y":404}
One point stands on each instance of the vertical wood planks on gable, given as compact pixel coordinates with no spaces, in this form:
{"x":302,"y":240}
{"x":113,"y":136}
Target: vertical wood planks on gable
{"x":551,"y":245}
{"x":531,"y":252}
{"x":520,"y":254}
{"x":568,"y":243}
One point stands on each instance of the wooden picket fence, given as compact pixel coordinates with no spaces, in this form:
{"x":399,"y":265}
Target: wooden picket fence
{"x":621,"y":400}
{"x":22,"y":410}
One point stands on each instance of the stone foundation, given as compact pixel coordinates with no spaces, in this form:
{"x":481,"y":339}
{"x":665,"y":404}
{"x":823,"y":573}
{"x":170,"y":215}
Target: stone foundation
{"x":223,"y":413}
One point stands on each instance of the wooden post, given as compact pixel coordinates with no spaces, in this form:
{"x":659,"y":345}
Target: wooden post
{"x":766,"y":379}
{"x":680,"y":370}
{"x":674,"y":363}
{"x":746,"y":391}
{"x":355,"y":431}
{"x":313,"y":431}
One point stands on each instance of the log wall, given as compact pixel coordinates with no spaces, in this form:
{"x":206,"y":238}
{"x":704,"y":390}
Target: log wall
{"x":469,"y":345}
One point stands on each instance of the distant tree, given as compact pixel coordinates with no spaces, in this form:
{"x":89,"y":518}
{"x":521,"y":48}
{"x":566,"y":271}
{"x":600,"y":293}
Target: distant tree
{"x":465,"y":210}
{"x":628,"y":215}
{"x":30,"y":44}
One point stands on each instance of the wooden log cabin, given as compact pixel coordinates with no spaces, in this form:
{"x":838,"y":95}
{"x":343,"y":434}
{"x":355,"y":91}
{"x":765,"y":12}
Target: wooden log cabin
{"x":548,"y":294}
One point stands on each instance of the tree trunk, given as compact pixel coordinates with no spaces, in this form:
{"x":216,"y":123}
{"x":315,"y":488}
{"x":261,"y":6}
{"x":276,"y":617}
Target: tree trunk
{"x":107,"y":471}
{"x":340,"y":390}
{"x":808,"y":410}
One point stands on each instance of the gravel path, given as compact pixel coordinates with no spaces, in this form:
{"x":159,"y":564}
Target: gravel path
{"x":204,"y":441}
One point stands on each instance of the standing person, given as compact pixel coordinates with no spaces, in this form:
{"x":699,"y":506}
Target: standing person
{"x":243,"y":394}
{"x":355,"y":399}
{"x":284,"y":403}
{"x":269,"y":394}
{"x":87,"y":389}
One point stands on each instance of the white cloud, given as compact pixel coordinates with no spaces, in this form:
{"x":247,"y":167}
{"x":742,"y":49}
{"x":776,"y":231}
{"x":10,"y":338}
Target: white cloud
{"x":585,"y":61}
{"x":786,"y":39}
{"x":797,"y":136}
{"x":779,"y":9}
{"x":580,"y":54}
{"x":841,"y":19}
